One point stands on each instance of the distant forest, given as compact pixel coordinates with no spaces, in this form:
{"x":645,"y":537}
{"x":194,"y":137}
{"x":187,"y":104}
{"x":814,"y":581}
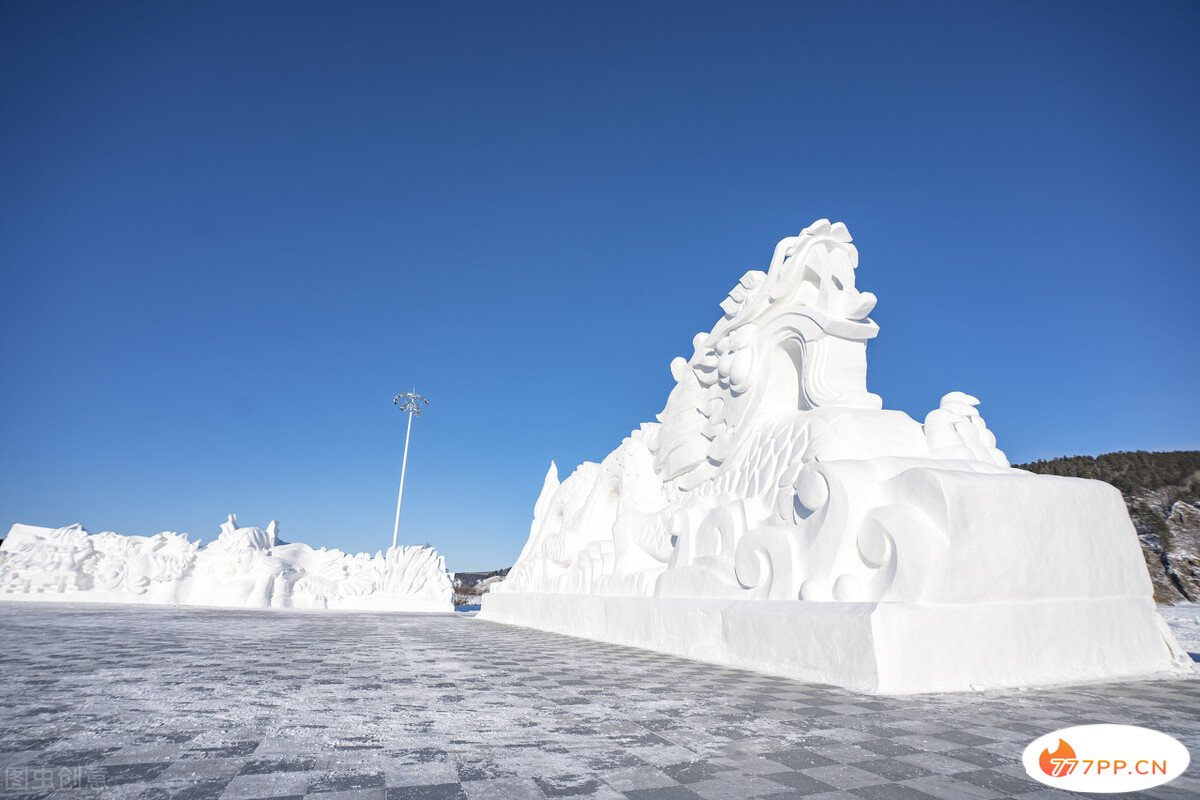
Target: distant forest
{"x":1133,"y":473}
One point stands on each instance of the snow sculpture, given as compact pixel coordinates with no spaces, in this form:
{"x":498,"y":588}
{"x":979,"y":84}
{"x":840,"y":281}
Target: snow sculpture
{"x":244,"y":568}
{"x":776,"y":517}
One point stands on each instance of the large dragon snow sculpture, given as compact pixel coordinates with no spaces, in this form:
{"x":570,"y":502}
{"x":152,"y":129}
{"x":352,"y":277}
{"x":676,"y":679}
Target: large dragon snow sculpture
{"x":773,"y":474}
{"x":245,"y":567}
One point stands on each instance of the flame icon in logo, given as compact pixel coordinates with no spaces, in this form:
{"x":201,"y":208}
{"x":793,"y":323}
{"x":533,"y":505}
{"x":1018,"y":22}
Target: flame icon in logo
{"x":1057,"y":764}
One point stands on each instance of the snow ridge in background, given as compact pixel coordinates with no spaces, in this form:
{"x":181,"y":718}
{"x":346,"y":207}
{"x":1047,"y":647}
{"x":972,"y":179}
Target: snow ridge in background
{"x":245,"y":567}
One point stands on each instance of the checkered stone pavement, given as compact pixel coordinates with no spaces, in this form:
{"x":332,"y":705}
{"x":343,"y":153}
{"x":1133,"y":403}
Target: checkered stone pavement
{"x":158,"y":703}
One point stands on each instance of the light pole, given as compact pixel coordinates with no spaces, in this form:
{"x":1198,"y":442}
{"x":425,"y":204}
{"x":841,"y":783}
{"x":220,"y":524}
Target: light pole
{"x":410,"y":402}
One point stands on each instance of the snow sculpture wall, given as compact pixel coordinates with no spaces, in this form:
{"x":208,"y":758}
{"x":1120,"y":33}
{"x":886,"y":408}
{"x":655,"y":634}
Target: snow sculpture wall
{"x":244,"y":568}
{"x":776,"y":517}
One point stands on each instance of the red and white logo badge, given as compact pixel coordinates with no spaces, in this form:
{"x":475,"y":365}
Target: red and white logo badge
{"x":1105,"y":758}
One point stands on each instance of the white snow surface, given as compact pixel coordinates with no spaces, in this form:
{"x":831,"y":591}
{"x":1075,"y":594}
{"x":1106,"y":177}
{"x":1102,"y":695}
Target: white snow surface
{"x":245,"y":567}
{"x":1184,"y":622}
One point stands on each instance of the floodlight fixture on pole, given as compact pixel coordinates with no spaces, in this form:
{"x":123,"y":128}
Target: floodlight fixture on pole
{"x":410,"y":402}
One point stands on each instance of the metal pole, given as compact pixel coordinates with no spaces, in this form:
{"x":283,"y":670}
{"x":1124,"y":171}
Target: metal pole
{"x":400,"y":494}
{"x":410,"y":402}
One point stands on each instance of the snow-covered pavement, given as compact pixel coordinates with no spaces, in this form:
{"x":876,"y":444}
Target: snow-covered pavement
{"x":151,"y":702}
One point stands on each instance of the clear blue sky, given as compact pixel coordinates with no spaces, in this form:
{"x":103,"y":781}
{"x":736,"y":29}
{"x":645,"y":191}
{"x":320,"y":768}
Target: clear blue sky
{"x":230,"y":232}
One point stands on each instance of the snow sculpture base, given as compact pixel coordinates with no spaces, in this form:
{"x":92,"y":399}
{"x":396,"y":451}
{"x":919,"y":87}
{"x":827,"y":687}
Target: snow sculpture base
{"x":379,"y":601}
{"x":885,"y":648}
{"x":775,"y":516}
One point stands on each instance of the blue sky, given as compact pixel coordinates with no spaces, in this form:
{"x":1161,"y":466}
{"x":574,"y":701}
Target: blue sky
{"x":230,"y":232}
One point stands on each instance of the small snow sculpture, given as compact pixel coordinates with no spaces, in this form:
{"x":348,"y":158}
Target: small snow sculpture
{"x":955,"y":430}
{"x":776,"y":517}
{"x":245,"y":568}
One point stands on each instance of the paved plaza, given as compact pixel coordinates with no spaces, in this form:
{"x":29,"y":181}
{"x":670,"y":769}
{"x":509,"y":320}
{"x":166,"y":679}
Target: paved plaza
{"x":127,"y":702}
